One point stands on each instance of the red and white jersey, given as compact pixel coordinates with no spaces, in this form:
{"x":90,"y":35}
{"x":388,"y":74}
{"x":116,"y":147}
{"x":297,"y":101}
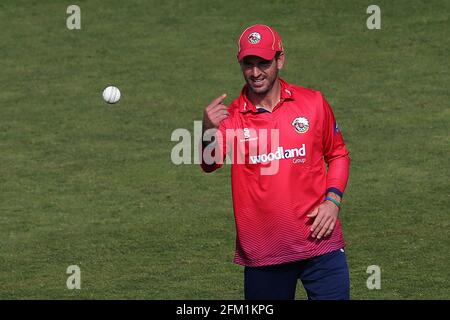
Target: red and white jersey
{"x":279,"y":174}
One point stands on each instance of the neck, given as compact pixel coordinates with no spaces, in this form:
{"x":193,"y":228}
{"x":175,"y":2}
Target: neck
{"x":267,"y":100}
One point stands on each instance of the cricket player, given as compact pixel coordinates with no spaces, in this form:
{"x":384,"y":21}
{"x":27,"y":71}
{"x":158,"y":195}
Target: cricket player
{"x":289,"y":171}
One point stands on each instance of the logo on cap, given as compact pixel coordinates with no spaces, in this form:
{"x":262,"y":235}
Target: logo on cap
{"x":254,"y":38}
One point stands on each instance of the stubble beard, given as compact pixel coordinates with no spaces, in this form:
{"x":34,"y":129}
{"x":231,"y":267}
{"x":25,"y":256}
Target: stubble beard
{"x":263,"y":90}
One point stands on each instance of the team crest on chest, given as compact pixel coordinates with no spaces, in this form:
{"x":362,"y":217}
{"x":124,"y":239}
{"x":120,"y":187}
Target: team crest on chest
{"x":301,"y":124}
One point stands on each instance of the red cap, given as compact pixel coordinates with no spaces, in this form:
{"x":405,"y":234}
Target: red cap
{"x":259,"y":40}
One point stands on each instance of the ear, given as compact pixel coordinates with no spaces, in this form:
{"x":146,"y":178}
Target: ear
{"x":280,"y":61}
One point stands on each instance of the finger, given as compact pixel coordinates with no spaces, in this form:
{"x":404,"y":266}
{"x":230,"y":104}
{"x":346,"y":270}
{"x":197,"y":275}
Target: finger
{"x":216,"y":114}
{"x":316,"y":223}
{"x":319,"y":227}
{"x":324,"y":229}
{"x":218,"y":100}
{"x":219,"y":106}
{"x":220,"y":119}
{"x":217,"y":120}
{"x":330,"y":229}
{"x":313,"y":213}
{"x":219,"y":115}
{"x":215,"y":111}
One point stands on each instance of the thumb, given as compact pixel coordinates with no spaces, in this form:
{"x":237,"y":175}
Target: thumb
{"x":313,"y":213}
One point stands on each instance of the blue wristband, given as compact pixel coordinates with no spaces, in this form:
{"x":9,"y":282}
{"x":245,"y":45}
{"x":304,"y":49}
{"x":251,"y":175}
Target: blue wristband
{"x":334,"y":201}
{"x":336,"y":191}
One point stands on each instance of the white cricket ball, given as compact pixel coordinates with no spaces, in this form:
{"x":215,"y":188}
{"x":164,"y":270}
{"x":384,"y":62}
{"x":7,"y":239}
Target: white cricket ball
{"x":111,"y":94}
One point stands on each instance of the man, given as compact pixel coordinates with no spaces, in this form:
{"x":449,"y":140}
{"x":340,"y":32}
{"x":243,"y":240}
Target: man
{"x":290,"y":169}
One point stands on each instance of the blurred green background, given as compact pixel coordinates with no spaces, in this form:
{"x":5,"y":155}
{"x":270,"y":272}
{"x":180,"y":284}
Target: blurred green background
{"x":90,"y":184}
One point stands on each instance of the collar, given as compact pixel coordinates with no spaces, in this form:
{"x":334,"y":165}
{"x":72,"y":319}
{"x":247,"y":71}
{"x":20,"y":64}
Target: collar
{"x":245,"y":105}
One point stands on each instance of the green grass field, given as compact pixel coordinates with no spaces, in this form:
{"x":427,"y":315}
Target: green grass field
{"x":90,"y":184}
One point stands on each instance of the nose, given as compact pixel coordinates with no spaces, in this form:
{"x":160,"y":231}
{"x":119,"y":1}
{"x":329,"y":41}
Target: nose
{"x":255,"y":72}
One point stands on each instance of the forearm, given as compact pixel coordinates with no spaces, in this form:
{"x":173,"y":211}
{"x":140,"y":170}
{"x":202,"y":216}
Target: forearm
{"x":207,"y":148}
{"x":337,"y":175}
{"x":208,"y":135}
{"x":207,"y":163}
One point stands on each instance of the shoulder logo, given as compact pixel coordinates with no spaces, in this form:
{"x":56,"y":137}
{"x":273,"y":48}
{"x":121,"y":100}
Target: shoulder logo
{"x":301,"y":124}
{"x":254,"y":38}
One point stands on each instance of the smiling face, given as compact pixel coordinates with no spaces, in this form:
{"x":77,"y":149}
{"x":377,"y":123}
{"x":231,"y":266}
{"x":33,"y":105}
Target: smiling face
{"x":261,"y":74}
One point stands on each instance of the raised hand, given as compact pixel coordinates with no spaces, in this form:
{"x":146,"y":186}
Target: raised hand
{"x":215,"y":113}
